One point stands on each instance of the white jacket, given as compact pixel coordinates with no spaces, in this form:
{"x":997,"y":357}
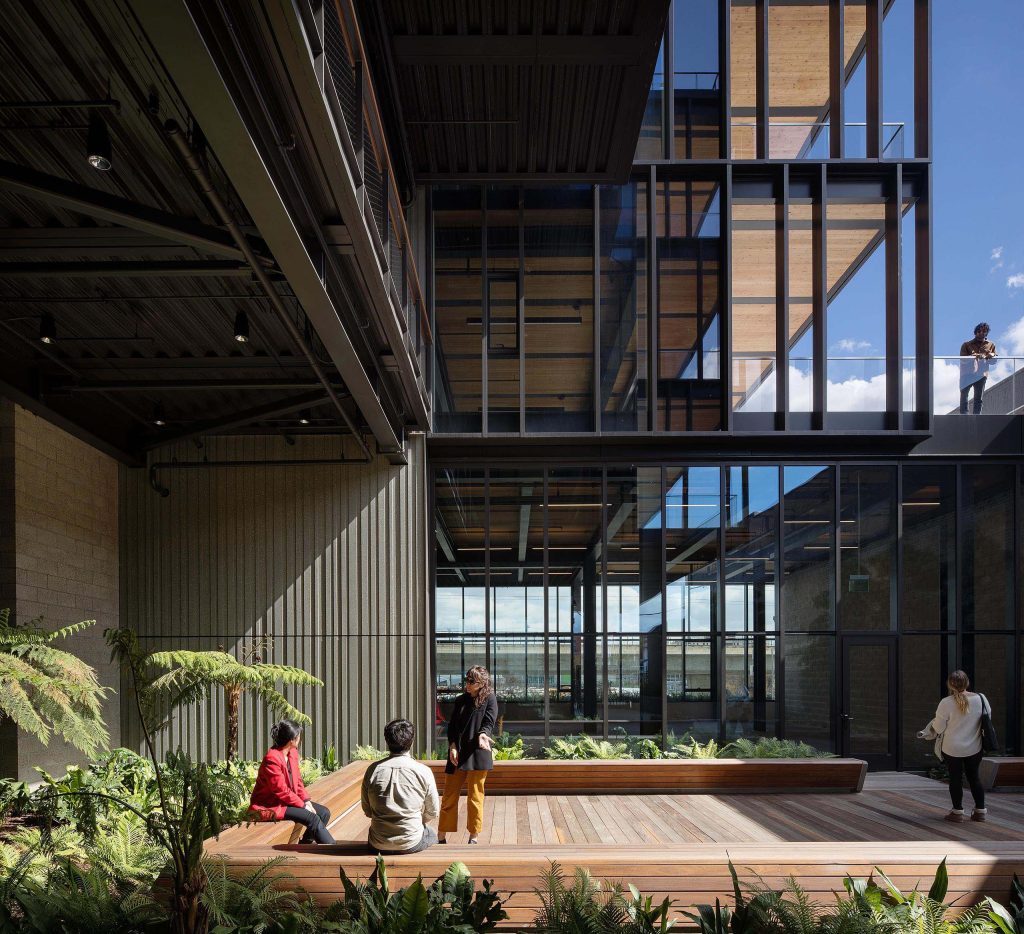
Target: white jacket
{"x":955,"y":733}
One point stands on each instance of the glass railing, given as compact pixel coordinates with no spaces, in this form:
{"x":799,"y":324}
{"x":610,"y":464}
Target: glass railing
{"x":811,"y":140}
{"x":695,"y":80}
{"x":857,"y":384}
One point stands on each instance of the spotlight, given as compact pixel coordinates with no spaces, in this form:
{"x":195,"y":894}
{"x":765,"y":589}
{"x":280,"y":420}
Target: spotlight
{"x":304,"y":417}
{"x":98,"y":144}
{"x":47,"y":329}
{"x":159,"y":419}
{"x":242,"y":328}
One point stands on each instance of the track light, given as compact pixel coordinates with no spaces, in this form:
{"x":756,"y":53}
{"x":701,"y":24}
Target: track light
{"x":242,"y":328}
{"x":98,"y":144}
{"x":47,"y":329}
{"x":159,"y":419}
{"x":304,"y":417}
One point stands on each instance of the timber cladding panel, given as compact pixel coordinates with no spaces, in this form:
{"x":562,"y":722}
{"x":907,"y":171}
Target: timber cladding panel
{"x":326,"y":563}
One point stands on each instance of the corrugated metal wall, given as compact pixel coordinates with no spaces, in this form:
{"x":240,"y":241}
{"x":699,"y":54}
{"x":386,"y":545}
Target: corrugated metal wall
{"x":327,"y":562}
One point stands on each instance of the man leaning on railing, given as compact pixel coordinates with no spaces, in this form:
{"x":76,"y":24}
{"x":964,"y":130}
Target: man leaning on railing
{"x":974,"y":366}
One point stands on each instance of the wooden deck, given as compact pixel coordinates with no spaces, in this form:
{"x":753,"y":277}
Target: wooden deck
{"x":679,"y":845}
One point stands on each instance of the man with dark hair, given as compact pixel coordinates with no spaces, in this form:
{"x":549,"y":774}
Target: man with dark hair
{"x":400,"y":796}
{"x":974,"y":364}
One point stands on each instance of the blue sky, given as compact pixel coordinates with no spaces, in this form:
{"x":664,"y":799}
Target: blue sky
{"x":978,"y":199}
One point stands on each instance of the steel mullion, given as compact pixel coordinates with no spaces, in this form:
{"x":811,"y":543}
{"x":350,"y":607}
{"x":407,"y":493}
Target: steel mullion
{"x":782,"y":304}
{"x":596,"y":315}
{"x":725,"y":301}
{"x":761,"y":141}
{"x":485,"y":314}
{"x":837,"y":78}
{"x":922,"y":79}
{"x":604,"y":598}
{"x":547,"y":623}
{"x":652,"y":302}
{"x":893,"y":300}
{"x":718,"y":633}
{"x":521,"y":312}
{"x":819,"y":276}
{"x":873,"y":82}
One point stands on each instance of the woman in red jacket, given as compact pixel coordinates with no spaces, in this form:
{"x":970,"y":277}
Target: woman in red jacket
{"x":279,"y":793}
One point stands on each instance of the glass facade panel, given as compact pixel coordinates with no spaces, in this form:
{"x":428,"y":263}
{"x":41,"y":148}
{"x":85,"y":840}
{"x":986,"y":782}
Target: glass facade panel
{"x":988,"y":661}
{"x":559,"y":291}
{"x":692,"y":687}
{"x":987,"y":514}
{"x":751,"y":543}
{"x":754,"y":290}
{"x":867,"y":547}
{"x":651,"y":144}
{"x":750,"y":677}
{"x":925,"y":664}
{"x":928,"y":585}
{"x":809,"y":691}
{"x":856,"y":322}
{"x":458,"y":309}
{"x":809,"y":547}
{"x":686,"y":224}
{"x":624,"y":321}
{"x":502,"y":332}
{"x":693,"y":514}
{"x":696,"y":84}
{"x":801,"y":299}
{"x":743,"y":78}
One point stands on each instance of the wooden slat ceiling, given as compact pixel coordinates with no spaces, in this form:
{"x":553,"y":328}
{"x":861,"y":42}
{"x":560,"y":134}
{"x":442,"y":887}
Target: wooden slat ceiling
{"x":522,"y":89}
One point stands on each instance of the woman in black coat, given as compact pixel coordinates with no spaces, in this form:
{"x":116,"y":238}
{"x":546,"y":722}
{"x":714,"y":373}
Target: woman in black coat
{"x":470,"y":730}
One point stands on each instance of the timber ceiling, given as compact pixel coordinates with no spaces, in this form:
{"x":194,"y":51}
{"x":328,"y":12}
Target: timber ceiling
{"x":520,"y":89}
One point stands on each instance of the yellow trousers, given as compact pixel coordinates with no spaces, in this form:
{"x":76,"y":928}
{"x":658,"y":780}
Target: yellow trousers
{"x":449,"y":819}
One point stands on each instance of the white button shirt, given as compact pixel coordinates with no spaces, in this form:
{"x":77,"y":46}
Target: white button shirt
{"x":399,"y":796}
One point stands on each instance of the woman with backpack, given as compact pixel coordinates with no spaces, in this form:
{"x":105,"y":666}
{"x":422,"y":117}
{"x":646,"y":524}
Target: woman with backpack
{"x":957,"y":731}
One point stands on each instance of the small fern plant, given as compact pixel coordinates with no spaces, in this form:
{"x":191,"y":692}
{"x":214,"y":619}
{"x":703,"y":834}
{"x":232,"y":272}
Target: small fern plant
{"x":584,"y":747}
{"x":45,"y":690}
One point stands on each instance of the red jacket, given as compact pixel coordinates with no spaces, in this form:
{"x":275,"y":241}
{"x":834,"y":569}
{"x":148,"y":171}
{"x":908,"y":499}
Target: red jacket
{"x":275,"y":789}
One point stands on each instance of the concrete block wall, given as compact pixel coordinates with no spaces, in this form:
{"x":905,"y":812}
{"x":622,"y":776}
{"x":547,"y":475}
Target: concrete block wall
{"x":58,"y":558}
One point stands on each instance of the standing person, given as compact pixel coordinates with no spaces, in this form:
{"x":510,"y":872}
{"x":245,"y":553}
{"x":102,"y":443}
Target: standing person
{"x":974,"y":365}
{"x":279,"y":793}
{"x":470,"y":729}
{"x":399,"y":795}
{"x":956,"y":729}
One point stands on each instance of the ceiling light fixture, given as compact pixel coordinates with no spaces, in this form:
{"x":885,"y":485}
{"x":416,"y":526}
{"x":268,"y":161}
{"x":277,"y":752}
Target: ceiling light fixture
{"x":242,"y":327}
{"x":98,"y":152}
{"x":159,"y":419}
{"x":304,"y":417}
{"x":47,"y":329}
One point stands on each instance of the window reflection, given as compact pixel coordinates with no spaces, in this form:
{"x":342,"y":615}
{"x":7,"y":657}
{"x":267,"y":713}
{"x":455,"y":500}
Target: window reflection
{"x":808,"y":542}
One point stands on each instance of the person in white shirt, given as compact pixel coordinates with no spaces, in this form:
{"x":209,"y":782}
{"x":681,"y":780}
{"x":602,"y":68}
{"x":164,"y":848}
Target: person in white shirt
{"x":399,"y":795}
{"x":956,"y":729}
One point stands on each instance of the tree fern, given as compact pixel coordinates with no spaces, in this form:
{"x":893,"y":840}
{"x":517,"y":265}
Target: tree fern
{"x":45,"y":690}
{"x":192,"y":675}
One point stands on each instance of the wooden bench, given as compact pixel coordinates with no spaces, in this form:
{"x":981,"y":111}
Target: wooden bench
{"x":671,"y":776}
{"x":1002,"y":773}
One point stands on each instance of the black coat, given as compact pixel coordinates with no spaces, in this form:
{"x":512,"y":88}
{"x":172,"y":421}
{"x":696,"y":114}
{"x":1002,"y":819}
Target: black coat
{"x":465,"y":725}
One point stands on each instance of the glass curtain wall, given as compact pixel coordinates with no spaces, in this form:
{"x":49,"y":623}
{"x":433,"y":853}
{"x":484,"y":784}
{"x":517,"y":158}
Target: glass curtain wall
{"x":731,"y":601}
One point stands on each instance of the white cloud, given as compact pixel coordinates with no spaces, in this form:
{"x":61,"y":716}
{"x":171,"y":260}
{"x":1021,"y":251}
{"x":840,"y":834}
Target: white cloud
{"x":1016,"y":281}
{"x":997,"y":253}
{"x":1014,"y":338}
{"x":847,"y":345}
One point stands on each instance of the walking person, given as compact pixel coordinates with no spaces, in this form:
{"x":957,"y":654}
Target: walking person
{"x":956,"y":729}
{"x":975,"y":355}
{"x":470,"y":730}
{"x":279,"y":793}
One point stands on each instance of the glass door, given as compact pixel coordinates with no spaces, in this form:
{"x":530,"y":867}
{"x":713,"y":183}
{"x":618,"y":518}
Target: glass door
{"x":868,"y":724}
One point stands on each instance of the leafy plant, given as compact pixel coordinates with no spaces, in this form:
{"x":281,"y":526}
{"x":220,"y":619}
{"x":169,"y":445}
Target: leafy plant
{"x":450,"y":905}
{"x":583,"y":747}
{"x":688,"y":747}
{"x":749,"y":915}
{"x":48,"y":691}
{"x":192,"y":675}
{"x":254,"y":903}
{"x":1009,"y":920}
{"x":768,"y":747}
{"x":507,"y":747}
{"x":368,"y":753}
{"x":329,"y":761}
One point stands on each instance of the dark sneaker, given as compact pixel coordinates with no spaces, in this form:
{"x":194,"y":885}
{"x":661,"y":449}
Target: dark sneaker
{"x":955,"y":817}
{"x":979,"y":816}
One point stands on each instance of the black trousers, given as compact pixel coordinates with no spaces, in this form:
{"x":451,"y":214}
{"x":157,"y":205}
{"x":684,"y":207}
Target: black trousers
{"x":315,"y":824}
{"x":957,"y":765}
{"x":979,"y":388}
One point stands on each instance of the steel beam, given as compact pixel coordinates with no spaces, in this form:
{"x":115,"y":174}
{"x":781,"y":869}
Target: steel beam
{"x":99,"y":205}
{"x":183,"y":385}
{"x":238,"y":419}
{"x":126,"y":270}
{"x":836,"y":79}
{"x":873,"y":82}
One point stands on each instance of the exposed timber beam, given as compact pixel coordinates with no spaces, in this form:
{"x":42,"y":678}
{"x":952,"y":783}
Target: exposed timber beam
{"x":182,"y":385}
{"x":36,"y":242}
{"x":238,"y":419}
{"x":127,"y":270}
{"x":176,"y":36}
{"x":98,"y":204}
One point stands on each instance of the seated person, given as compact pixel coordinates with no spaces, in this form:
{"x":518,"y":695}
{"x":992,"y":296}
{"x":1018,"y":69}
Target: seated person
{"x":279,"y":793}
{"x":400,"y":796}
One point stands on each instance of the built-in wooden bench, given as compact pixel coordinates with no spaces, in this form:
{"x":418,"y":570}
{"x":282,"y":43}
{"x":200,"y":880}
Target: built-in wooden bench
{"x":1002,"y":774}
{"x":673,"y":776}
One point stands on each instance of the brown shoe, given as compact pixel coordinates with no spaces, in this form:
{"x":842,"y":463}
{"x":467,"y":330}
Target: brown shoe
{"x":979,"y":815}
{"x":955,"y":817}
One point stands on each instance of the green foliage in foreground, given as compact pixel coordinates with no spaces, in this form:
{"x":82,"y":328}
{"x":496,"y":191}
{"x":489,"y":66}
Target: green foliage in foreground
{"x":48,"y":691}
{"x":768,"y":747}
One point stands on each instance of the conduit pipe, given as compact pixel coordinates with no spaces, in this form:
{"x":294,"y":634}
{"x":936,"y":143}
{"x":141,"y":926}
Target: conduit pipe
{"x":177,"y":137}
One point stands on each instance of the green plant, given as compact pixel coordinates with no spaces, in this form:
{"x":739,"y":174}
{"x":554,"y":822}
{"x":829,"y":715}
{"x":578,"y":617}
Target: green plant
{"x":748,"y":916}
{"x":192,"y":675}
{"x":1009,"y":920}
{"x":583,"y":747}
{"x":329,"y":761}
{"x":253,"y":903}
{"x":768,"y":747}
{"x":450,"y":905}
{"x":688,"y":747}
{"x":15,"y":798}
{"x":46,"y":690}
{"x":368,"y":753}
{"x":507,"y":747}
